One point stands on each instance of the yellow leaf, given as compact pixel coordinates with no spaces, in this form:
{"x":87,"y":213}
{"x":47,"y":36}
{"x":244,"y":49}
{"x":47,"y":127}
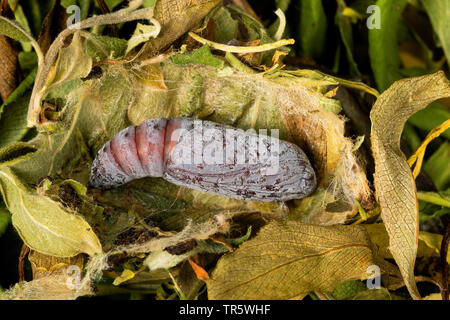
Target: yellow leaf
{"x":125,"y":276}
{"x":428,"y":245}
{"x":289,"y":259}
{"x":433,"y":296}
{"x":394,"y":183}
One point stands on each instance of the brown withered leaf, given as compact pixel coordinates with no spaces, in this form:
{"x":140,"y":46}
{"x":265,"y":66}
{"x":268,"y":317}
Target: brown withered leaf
{"x":54,"y":22}
{"x":394,"y":184}
{"x":288,"y":259}
{"x":43,"y":265}
{"x":177,"y":18}
{"x":8,"y":66}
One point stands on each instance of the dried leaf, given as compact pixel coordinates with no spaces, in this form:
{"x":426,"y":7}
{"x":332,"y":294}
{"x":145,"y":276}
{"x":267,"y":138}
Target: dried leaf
{"x":43,"y":224}
{"x":8,"y":67}
{"x":428,"y":245}
{"x":199,"y":271}
{"x":176,"y":18}
{"x":72,"y":63}
{"x":286,"y":260}
{"x":54,"y":23}
{"x":143,"y":33}
{"x":394,"y":183}
{"x":43,"y":265}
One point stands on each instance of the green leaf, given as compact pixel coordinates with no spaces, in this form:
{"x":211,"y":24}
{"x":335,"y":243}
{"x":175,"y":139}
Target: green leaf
{"x":23,"y":21}
{"x":13,"y":122}
{"x":13,"y":30}
{"x":431,"y":117}
{"x":374,"y":294}
{"x":345,"y":29}
{"x":5,"y":219}
{"x":437,"y":167}
{"x":282,"y":4}
{"x":103,"y":47}
{"x":312,"y":28}
{"x":383,"y":46}
{"x":44,"y":224}
{"x":201,"y":56}
{"x":348,"y":289}
{"x":289,"y":259}
{"x":27,"y":60}
{"x":439,"y":13}
{"x":20,"y":90}
{"x":226,"y":27}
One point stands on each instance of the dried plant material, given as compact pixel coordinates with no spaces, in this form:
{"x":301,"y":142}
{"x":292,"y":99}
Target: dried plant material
{"x":282,"y":26}
{"x":53,"y":23}
{"x":199,"y":271}
{"x":288,"y":259}
{"x":129,"y":13}
{"x":143,"y":33}
{"x":418,"y":155}
{"x":54,"y":287}
{"x":242,"y":49}
{"x":152,"y":76}
{"x":394,"y":183}
{"x":43,"y":265}
{"x":8,"y":67}
{"x":428,"y":244}
{"x":176,"y":18}
{"x":72,"y":63}
{"x":276,"y":59}
{"x":43,"y":224}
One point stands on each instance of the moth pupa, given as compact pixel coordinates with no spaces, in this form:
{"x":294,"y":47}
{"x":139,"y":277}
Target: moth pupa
{"x":206,"y":156}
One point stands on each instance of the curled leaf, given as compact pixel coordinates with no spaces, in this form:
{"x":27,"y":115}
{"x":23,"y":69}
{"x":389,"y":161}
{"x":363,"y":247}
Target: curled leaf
{"x":142,"y":33}
{"x":394,"y":183}
{"x":43,"y":224}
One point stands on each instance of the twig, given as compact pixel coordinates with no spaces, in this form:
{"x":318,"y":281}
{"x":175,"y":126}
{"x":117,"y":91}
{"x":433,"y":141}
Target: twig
{"x":242,"y":49}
